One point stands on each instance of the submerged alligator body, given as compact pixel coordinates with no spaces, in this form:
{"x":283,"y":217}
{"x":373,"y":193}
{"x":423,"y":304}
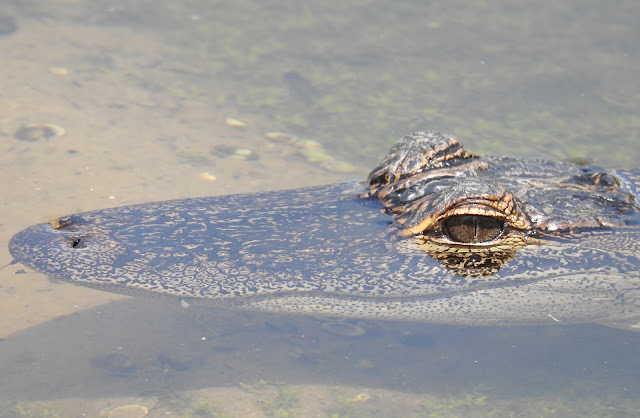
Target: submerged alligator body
{"x":436,"y":234}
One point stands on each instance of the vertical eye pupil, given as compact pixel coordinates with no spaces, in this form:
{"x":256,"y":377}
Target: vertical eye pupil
{"x":472,"y":229}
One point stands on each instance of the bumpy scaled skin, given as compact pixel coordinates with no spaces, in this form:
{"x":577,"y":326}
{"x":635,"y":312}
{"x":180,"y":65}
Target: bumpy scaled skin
{"x":427,"y":174}
{"x":473,"y":213}
{"x":438,"y":235}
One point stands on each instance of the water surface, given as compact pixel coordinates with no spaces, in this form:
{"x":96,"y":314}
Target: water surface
{"x":145,"y":90}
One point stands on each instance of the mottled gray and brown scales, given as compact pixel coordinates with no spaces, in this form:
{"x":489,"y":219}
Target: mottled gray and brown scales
{"x":436,"y":234}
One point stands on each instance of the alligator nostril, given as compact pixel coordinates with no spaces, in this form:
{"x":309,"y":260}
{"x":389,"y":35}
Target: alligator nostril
{"x":61,"y":223}
{"x":78,"y":242}
{"x":67,"y":224}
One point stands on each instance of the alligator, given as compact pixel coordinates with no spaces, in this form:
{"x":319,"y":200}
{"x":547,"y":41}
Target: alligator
{"x":436,"y":234}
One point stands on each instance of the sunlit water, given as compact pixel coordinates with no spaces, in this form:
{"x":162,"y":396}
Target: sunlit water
{"x":145,"y":90}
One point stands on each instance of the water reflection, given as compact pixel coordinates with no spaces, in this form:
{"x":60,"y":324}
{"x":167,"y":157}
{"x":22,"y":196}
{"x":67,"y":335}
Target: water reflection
{"x":532,"y":80}
{"x":145,"y":347}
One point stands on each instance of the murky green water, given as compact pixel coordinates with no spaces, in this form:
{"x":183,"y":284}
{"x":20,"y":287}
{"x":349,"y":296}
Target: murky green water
{"x":549,"y":78}
{"x":555,"y":79}
{"x":144,"y":90}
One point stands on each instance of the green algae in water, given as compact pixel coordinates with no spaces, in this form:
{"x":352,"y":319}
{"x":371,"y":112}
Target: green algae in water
{"x":283,"y":404}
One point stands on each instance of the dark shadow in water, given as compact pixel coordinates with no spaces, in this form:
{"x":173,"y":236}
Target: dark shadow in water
{"x":153,"y":347}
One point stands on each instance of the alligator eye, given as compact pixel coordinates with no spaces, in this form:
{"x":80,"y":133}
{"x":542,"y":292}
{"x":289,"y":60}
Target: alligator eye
{"x":472,"y":228}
